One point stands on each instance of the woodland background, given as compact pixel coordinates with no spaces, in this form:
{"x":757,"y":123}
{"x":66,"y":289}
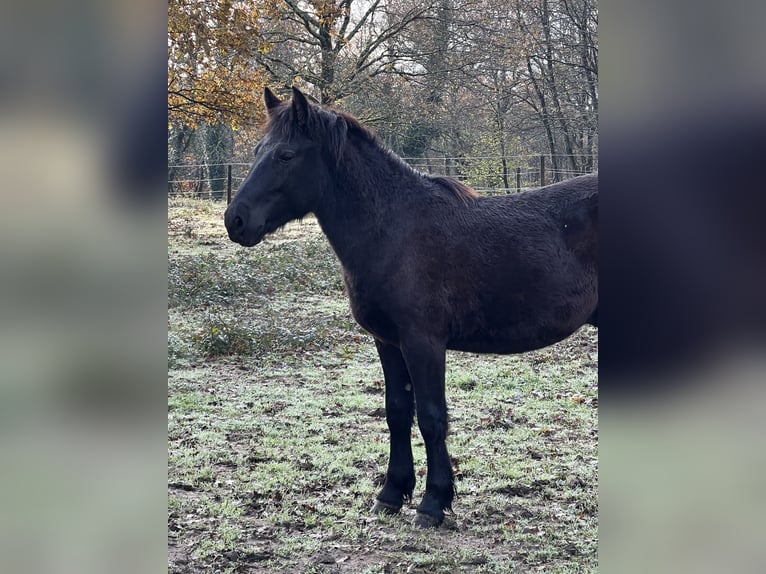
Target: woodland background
{"x":469,"y":88}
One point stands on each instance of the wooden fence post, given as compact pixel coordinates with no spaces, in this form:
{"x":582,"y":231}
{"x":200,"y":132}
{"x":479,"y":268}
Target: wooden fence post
{"x":518,"y":179}
{"x":542,"y":170}
{"x":228,"y":184}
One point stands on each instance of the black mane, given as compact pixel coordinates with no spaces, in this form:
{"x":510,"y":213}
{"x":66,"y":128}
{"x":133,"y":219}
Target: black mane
{"x":335,"y":127}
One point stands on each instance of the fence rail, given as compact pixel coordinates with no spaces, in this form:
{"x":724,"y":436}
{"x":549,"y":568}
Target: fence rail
{"x":524,"y":172}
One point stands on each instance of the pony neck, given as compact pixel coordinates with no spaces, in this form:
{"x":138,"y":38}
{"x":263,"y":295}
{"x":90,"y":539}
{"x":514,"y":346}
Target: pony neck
{"x":363,"y":204}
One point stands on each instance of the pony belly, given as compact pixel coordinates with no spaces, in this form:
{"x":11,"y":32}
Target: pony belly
{"x":495,"y":347}
{"x":510,"y":341}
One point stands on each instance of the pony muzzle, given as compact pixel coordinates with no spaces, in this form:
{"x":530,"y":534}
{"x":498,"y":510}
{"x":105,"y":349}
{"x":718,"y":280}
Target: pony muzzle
{"x":239,"y":226}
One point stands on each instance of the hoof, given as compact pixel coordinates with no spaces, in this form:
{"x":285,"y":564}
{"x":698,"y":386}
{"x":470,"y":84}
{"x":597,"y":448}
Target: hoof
{"x":381,"y":507}
{"x":426,"y":521}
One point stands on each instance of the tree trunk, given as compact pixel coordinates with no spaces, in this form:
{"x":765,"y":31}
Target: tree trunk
{"x":217,"y":149}
{"x":179,"y":143}
{"x":552,"y":81}
{"x":544,"y":117}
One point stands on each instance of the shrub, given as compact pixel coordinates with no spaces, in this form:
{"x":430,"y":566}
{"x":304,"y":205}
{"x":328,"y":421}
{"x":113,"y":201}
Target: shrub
{"x":178,"y":349}
{"x":226,"y":279}
{"x":220,"y":335}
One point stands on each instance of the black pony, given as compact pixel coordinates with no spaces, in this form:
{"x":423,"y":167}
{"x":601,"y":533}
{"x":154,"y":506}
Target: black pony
{"x":428,"y":265}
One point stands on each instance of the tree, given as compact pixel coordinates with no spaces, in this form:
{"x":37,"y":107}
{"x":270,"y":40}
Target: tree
{"x":212,"y":85}
{"x":180,"y":140}
{"x":218,"y":148}
{"x":562,"y":64}
{"x":460,"y":86}
{"x":337,"y":46}
{"x":211,"y":44}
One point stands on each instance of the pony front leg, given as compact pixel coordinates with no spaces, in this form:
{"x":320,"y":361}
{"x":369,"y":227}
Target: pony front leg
{"x":426,"y":361}
{"x":400,"y":407}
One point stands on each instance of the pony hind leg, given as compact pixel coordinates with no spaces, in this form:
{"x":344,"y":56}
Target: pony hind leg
{"x":400,"y":476}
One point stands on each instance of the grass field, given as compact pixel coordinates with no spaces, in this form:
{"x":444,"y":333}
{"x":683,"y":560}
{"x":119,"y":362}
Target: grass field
{"x":277,"y":440}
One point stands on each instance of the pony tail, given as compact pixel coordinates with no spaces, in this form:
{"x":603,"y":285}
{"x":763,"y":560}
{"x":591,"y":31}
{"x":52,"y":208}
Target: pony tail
{"x":337,"y":138}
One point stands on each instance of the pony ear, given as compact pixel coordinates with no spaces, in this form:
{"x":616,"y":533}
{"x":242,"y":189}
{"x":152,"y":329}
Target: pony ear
{"x":300,"y":107}
{"x":270,"y":99}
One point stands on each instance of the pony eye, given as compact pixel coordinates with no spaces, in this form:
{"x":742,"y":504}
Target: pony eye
{"x":286,"y":155}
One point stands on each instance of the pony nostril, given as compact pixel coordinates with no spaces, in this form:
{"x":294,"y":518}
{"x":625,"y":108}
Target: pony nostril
{"x":235,"y":221}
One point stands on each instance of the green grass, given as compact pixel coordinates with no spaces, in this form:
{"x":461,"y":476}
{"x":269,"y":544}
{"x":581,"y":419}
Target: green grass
{"x":277,"y":441}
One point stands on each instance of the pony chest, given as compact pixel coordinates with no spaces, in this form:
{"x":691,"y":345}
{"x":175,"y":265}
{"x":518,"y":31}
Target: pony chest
{"x":371,"y":310}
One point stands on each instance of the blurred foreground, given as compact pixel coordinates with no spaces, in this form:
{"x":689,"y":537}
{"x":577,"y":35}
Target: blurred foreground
{"x":83,"y":287}
{"x":682,"y":361}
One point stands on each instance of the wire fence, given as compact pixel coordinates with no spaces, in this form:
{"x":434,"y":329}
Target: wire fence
{"x":488,"y":175}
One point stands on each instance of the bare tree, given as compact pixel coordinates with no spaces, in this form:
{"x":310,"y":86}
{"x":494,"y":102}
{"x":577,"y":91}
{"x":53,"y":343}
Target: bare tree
{"x":562,"y":72}
{"x":465,"y":87}
{"x":335,"y":45}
